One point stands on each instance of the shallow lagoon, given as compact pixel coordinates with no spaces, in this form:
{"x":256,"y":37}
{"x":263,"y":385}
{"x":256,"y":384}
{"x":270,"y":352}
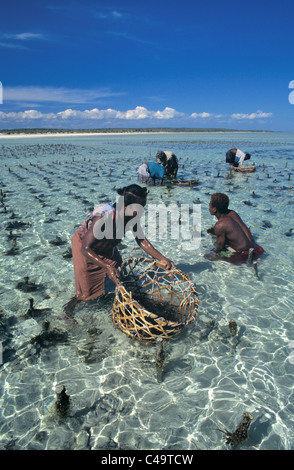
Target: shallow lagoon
{"x":50,"y":185}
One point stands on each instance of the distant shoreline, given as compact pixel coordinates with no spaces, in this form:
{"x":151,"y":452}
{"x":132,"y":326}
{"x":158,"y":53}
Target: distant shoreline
{"x":116,"y":131}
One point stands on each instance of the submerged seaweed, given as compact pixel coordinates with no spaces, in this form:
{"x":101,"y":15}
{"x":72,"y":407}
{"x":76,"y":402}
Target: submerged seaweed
{"x":240,"y":435}
{"x":123,"y":394}
{"x":158,"y":307}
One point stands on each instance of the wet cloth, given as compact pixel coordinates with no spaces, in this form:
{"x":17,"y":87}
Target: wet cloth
{"x":100,"y":210}
{"x":91,"y":280}
{"x":156,"y":170}
{"x":172,"y":164}
{"x":235,"y":159}
{"x":240,"y":157}
{"x":239,"y":257}
{"x":230,"y":157}
{"x":144,"y":175}
{"x":149,"y":172}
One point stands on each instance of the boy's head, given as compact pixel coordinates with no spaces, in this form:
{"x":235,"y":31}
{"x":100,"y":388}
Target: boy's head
{"x":247,"y":156}
{"x":219,"y":202}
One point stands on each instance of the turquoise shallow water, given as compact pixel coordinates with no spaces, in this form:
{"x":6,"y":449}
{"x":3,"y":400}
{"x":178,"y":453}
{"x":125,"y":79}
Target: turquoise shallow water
{"x":49,"y":186}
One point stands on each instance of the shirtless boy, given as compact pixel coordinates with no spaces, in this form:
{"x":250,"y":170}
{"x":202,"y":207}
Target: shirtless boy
{"x":233,"y":237}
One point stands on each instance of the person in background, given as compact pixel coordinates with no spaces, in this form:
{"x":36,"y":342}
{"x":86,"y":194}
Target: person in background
{"x":233,"y":237}
{"x":94,"y":245}
{"x":169,"y":161}
{"x":236,"y":157}
{"x":151,"y":172}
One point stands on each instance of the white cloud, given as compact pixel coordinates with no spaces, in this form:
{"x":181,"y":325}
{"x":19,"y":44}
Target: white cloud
{"x":57,"y":95}
{"x":30,"y":114}
{"x":12,"y":46}
{"x":201,"y":115}
{"x":87,"y":114}
{"x":256,"y":115}
{"x":21,"y":40}
{"x":24,"y":36}
{"x":138,"y":113}
{"x":103,"y":15}
{"x":117,"y":14}
{"x":167,"y":113}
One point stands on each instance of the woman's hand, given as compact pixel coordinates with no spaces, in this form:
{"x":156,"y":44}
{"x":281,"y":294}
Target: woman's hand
{"x":168,"y":264}
{"x":146,"y":246}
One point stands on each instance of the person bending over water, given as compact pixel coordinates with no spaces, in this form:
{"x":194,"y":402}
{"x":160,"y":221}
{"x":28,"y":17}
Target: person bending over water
{"x":94,"y":245}
{"x":170,"y":162}
{"x":233,"y":237}
{"x":236,"y":157}
{"x":150,"y":172}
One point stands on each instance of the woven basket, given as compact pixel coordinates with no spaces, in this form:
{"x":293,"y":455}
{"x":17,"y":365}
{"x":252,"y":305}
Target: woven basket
{"x":152,"y":303}
{"x":244,"y":169}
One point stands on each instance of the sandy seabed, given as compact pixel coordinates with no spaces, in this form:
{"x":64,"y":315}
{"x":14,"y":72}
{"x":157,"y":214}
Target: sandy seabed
{"x":209,"y":378}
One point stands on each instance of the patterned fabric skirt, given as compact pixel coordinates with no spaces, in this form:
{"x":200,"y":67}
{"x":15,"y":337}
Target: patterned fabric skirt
{"x":144,"y":175}
{"x":239,"y":257}
{"x":91,"y":280}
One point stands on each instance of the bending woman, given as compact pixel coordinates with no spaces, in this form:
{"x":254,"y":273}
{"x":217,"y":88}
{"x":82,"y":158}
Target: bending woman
{"x":95,"y":256}
{"x":150,"y":172}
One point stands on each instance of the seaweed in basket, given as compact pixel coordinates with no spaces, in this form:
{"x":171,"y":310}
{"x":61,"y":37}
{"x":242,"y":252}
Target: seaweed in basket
{"x":161,"y":308}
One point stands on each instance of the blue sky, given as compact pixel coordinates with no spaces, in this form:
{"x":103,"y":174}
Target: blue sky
{"x":126,"y":63}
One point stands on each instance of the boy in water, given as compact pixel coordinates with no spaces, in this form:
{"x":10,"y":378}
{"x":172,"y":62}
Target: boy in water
{"x":233,"y":237}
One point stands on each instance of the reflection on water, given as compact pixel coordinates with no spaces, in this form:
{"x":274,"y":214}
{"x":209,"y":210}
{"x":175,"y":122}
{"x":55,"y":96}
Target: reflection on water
{"x":210,"y":376}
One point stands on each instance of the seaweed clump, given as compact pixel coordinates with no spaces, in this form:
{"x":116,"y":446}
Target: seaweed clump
{"x":47,"y":336}
{"x":240,"y":434}
{"x":62,"y":402}
{"x":159,"y":307}
{"x":233,"y":328}
{"x":27,"y":285}
{"x":33,"y":312}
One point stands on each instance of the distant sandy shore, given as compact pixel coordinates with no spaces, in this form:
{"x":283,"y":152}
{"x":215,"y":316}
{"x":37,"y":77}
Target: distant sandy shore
{"x":70,"y":134}
{"x":84,"y":134}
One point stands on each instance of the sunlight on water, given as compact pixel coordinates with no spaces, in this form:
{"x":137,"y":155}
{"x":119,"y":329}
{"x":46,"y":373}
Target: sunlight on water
{"x":210,"y":378}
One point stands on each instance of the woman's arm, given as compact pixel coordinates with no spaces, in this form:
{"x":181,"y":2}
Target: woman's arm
{"x":150,"y":250}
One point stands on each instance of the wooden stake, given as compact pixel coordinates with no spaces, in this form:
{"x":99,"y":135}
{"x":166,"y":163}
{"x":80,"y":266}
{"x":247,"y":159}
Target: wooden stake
{"x":255,"y":268}
{"x":250,"y":256}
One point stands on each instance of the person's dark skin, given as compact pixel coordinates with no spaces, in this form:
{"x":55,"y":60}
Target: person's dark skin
{"x":231,"y":231}
{"x":243,"y":226}
{"x":127,"y":213}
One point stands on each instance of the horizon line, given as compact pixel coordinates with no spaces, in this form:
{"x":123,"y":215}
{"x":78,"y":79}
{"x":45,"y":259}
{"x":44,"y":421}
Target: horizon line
{"x":49,"y":130}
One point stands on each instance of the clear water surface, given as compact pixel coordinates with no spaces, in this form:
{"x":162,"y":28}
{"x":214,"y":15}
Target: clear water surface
{"x":49,"y":186}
